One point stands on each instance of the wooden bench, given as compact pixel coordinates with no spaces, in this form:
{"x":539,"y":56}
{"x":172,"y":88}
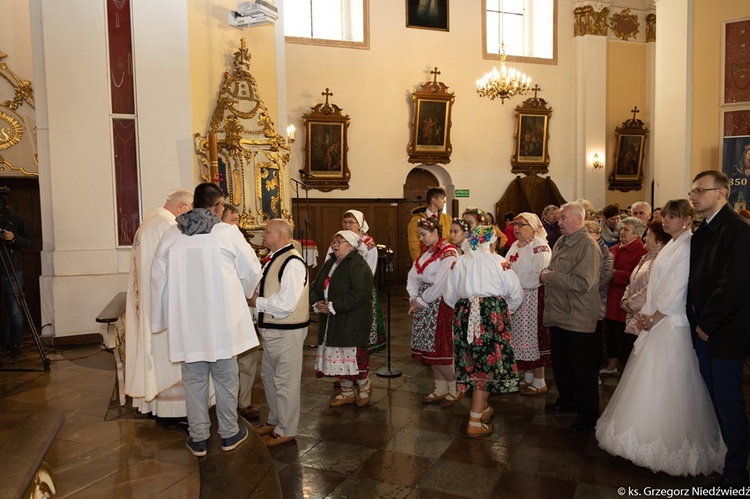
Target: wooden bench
{"x":24,"y":472}
{"x":114,"y":339}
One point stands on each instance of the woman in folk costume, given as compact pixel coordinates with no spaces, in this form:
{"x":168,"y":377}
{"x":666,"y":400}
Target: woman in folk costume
{"x":341,"y":294}
{"x":661,"y":416}
{"x":431,"y":333}
{"x":354,"y":220}
{"x":528,"y":255}
{"x":459,"y":231}
{"x":484,"y":291}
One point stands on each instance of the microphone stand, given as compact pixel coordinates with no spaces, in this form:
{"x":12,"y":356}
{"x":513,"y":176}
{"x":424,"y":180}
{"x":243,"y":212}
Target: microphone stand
{"x":297,"y":185}
{"x":387,"y":372}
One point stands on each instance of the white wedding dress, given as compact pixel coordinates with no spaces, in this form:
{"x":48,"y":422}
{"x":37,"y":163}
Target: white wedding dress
{"x":661,"y":416}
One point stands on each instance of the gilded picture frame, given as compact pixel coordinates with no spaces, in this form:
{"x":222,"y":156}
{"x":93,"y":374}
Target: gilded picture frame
{"x":326,"y":147}
{"x":629,"y":155}
{"x":531,"y":136}
{"x":430,"y":141}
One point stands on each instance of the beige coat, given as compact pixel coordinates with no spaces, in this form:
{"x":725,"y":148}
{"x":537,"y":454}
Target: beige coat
{"x":571,"y":294}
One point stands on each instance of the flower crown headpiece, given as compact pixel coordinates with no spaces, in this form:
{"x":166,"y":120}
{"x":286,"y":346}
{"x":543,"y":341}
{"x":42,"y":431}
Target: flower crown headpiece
{"x":461,"y":223}
{"x":473,"y":210}
{"x":479,"y":235}
{"x":428,"y":223}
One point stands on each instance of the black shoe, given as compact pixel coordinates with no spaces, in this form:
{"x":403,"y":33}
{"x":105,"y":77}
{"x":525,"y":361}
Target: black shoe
{"x":558,"y":407}
{"x":15,"y":351}
{"x":581,"y":427}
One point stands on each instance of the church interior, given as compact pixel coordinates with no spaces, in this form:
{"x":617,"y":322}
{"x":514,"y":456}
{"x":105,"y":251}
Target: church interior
{"x":116,"y":121}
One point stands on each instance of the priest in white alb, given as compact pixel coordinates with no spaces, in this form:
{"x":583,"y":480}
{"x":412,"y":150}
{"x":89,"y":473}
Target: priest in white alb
{"x":151,"y":380}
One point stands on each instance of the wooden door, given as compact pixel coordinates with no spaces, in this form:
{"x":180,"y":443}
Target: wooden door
{"x":417,"y":182}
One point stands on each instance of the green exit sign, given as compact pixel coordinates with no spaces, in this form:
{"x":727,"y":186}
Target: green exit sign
{"x":462,"y":193}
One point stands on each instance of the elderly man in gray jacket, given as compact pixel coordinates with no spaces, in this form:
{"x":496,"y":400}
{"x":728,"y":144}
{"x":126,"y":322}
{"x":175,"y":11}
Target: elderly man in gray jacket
{"x":571,"y":308}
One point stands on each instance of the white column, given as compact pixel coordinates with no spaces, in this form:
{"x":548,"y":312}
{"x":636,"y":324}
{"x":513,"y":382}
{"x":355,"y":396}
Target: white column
{"x":590,"y":117}
{"x":672,"y":99}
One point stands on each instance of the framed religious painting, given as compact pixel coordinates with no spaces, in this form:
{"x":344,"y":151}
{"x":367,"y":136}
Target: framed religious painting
{"x":735,"y":156}
{"x":736,"y":39}
{"x":531,"y":136}
{"x":427,"y":14}
{"x":431,"y":123}
{"x":326,"y":147}
{"x":630,"y":149}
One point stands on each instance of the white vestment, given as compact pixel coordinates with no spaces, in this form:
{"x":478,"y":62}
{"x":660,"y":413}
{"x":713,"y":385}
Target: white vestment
{"x":151,"y":380}
{"x":198,"y":289}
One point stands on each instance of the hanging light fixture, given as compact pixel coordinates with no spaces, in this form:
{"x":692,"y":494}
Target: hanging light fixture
{"x":506,"y":82}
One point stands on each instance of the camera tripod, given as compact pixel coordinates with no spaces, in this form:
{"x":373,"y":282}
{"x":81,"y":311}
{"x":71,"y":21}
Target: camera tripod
{"x":10,"y":272}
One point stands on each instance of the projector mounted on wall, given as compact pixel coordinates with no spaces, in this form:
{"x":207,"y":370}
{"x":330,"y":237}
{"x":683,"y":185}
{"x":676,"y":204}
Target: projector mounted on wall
{"x":255,"y":13}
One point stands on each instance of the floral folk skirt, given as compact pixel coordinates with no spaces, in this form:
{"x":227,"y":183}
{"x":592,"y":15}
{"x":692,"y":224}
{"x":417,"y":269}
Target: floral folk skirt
{"x":488,"y":362}
{"x":432,"y":333}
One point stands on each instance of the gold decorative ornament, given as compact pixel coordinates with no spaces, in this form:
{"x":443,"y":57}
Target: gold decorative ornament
{"x":625,"y":25}
{"x":590,"y":22}
{"x":11,"y":131}
{"x":242,"y":152}
{"x":22,"y":88}
{"x":651,"y":28}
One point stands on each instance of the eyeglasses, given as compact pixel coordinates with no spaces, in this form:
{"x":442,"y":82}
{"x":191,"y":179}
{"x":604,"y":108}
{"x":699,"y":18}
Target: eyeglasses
{"x":700,"y":190}
{"x":520,"y":224}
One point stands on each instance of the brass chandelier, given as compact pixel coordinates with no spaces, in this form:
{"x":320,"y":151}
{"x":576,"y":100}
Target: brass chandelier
{"x":504,"y":83}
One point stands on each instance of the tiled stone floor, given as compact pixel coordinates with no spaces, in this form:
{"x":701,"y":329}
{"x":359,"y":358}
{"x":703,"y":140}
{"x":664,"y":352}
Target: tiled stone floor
{"x":396,"y":447}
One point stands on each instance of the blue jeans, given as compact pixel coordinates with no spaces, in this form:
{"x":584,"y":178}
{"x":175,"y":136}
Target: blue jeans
{"x":15,"y":314}
{"x":225,"y":375}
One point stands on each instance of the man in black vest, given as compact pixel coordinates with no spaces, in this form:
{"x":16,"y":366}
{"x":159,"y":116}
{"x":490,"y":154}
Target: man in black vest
{"x":281,"y":303}
{"x":718,"y":301}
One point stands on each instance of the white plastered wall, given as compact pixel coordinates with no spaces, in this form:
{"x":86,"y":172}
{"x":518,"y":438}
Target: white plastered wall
{"x":82,"y":266}
{"x":374,"y":87}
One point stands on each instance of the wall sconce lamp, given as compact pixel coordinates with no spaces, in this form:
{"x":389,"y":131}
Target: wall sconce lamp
{"x":290,"y":133}
{"x":597,"y":162}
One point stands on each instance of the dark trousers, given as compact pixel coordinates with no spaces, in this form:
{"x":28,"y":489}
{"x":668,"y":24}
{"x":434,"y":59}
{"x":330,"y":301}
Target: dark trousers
{"x":575,"y":365}
{"x":14,"y":312}
{"x":723,"y":378}
{"x":622,"y":341}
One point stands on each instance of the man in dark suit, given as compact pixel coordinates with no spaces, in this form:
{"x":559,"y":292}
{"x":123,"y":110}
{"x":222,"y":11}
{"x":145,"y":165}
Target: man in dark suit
{"x":718,"y":301}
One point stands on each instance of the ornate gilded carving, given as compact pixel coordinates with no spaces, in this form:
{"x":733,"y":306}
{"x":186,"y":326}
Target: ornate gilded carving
{"x":11,"y":131}
{"x":590,"y":22}
{"x":22,"y":88}
{"x":243,"y":153}
{"x":17,"y":129}
{"x":625,"y":25}
{"x":651,"y":28}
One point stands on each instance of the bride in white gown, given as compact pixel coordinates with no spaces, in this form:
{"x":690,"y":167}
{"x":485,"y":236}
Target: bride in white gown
{"x":660,"y":416}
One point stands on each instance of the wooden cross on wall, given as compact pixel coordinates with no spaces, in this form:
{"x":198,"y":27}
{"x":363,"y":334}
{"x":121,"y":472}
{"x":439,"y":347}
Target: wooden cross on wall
{"x":327,"y":94}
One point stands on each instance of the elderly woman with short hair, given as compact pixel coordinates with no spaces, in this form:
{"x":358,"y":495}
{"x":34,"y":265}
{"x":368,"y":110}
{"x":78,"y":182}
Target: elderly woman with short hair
{"x":625,"y":256}
{"x":341,"y":294}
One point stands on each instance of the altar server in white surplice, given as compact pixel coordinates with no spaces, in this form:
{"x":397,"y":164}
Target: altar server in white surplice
{"x":151,"y":380}
{"x":202,"y":273}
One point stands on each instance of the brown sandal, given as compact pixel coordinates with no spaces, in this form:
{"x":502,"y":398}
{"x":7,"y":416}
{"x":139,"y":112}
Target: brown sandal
{"x":532,"y":390}
{"x":433,"y":398}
